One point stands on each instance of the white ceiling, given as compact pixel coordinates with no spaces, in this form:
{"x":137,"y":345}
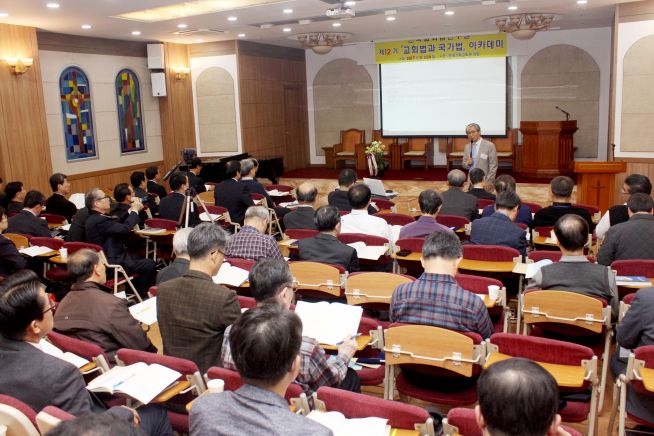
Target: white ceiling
{"x":414,"y":18}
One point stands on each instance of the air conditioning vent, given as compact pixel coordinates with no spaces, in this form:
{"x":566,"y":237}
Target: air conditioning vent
{"x":198,"y":32}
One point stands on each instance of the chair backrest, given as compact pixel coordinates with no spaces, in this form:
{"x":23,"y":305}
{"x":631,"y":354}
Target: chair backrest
{"x":348,"y":238}
{"x":74,"y":247}
{"x":564,"y":307}
{"x":246,"y":302}
{"x":541,"y":349}
{"x":457,"y":144}
{"x":483,"y":202}
{"x":343,"y":212}
{"x":20,"y":241}
{"x":538,"y":255}
{"x":386,"y":140}
{"x":634,"y":267}
{"x":350,"y":138}
{"x":592,"y":210}
{"x":491,"y":253}
{"x":233,"y":381}
{"x":373,"y":287}
{"x":53,"y":219}
{"x":152,"y":292}
{"x":383,"y":204}
{"x":396,"y":219}
{"x":42,"y":241}
{"x":534,"y":207}
{"x":433,"y":346}
{"x":316,"y":276}
{"x":418,"y":144}
{"x":477,"y":284}
{"x":161,"y":223}
{"x":128,"y":357}
{"x":278,"y":187}
{"x":245,"y":264}
{"x":87,"y":350}
{"x":50,"y":417}
{"x":353,"y":405}
{"x":300,"y":233}
{"x":629,"y":298}
{"x":412,"y":244}
{"x":19,"y":418}
{"x":452,"y":221}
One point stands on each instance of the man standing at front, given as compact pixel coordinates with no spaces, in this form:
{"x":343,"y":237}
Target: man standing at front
{"x":480,"y":153}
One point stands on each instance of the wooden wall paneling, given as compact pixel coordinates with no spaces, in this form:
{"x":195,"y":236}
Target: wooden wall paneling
{"x":216,"y":48}
{"x":109,"y":178}
{"x":24,"y":148}
{"x":85,"y":44}
{"x":176,"y":109}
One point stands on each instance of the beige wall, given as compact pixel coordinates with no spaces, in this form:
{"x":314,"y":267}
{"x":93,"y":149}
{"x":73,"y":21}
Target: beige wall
{"x":342,"y":95}
{"x":216,"y":111}
{"x":566,"y":76}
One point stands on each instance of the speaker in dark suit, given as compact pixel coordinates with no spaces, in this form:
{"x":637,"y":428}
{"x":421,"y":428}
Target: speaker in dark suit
{"x":27,"y":221}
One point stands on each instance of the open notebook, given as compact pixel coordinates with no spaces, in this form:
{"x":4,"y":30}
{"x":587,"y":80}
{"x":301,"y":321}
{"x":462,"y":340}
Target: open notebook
{"x":230,"y":275}
{"x":328,"y":323}
{"x":53,"y":350}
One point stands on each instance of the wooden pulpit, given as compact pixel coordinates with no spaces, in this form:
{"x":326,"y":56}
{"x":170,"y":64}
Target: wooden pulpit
{"x":547,"y":148}
{"x":596,"y":182}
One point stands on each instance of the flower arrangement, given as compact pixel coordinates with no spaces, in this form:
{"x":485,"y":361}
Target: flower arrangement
{"x":375,"y":156}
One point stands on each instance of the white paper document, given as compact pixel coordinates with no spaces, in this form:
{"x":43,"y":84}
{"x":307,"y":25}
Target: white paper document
{"x":342,"y":426}
{"x":230,"y":275}
{"x":53,"y":350}
{"x":152,"y":231}
{"x":210,"y":217}
{"x":530,"y":269}
{"x":328,"y":323}
{"x":78,"y":200}
{"x":371,"y":252}
{"x":145,"y":312}
{"x":277,"y":193}
{"x":35,"y":250}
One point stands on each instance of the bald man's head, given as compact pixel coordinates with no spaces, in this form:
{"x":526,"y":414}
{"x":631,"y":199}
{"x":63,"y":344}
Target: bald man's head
{"x":572,"y":232}
{"x":306,"y":193}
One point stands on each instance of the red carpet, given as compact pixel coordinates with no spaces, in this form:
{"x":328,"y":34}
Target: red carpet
{"x":432,"y":174}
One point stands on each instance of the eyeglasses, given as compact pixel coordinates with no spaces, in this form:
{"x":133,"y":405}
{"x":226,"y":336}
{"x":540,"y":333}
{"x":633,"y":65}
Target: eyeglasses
{"x":52,"y":306}
{"x":102,"y":198}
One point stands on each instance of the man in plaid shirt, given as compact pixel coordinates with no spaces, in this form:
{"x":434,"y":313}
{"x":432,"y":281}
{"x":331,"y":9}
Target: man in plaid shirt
{"x":251,"y":242}
{"x":271,"y":279}
{"x":436,"y":298}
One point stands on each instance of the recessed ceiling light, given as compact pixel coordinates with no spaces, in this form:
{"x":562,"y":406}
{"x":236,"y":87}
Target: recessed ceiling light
{"x":582,"y":2}
{"x":286,"y":29}
{"x":288,"y":11}
{"x":450,"y":12}
{"x":136,"y":33}
{"x":199,"y":40}
{"x":241,"y":35}
{"x":3,"y":15}
{"x":182,"y":26}
{"x":232,"y":18}
{"x":86,"y":26}
{"x":512,"y":8}
{"x":53,"y":5}
{"x":390,"y":18}
{"x":350,"y":3}
{"x":336,"y":24}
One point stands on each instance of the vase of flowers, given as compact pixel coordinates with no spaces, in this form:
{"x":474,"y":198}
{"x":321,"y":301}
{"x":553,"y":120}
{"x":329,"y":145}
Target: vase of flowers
{"x":377,"y":164}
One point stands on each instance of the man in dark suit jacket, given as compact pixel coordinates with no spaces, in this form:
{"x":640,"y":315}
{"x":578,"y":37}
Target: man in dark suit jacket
{"x":140,"y":185}
{"x":110,"y":234}
{"x":631,"y":239}
{"x":193,"y":174}
{"x":455,"y":201}
{"x":154,"y":182}
{"x":249,"y":169}
{"x":232,"y":194}
{"x":193,"y":311}
{"x":23,"y":324}
{"x":477,"y":181}
{"x":10,"y":259}
{"x":499,"y":229}
{"x":346,"y":179}
{"x":561,"y":188}
{"x":58,"y":203}
{"x":303,"y":216}
{"x":172,"y":206}
{"x":633,"y":184}
{"x":27,"y":222}
{"x":325,"y":247}
{"x":77,"y":231}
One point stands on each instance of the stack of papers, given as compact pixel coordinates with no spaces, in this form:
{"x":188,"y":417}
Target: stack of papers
{"x":210,"y":217}
{"x":145,"y":312}
{"x":530,"y":269}
{"x":370,"y":252}
{"x":52,"y":350}
{"x":633,"y":281}
{"x":35,"y":250}
{"x":78,"y":200}
{"x":152,"y":231}
{"x":230,"y":275}
{"x":276,"y":193}
{"x":328,"y":323}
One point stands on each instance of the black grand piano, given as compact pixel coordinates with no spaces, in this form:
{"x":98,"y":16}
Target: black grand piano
{"x":213,"y":170}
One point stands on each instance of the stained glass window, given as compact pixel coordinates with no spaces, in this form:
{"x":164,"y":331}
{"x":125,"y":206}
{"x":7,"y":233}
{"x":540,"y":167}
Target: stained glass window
{"x":130,"y":114}
{"x":77,"y":115}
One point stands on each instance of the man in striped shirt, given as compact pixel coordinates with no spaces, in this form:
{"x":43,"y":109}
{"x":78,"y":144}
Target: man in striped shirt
{"x":436,"y":298}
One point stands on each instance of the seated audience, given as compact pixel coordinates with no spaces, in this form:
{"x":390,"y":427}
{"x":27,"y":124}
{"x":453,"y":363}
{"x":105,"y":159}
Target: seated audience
{"x":477,"y":189}
{"x":249,"y":169}
{"x":574,"y":272}
{"x":10,"y":259}
{"x":636,"y":330}
{"x":39,"y":379}
{"x":436,"y":298}
{"x":232,"y":194}
{"x":561,"y":188}
{"x":154,"y":182}
{"x":123,"y":201}
{"x":92,"y":313}
{"x":633,"y":184}
{"x":503,"y":183}
{"x":179,"y":267}
{"x":15,"y":193}
{"x":430,"y":202}
{"x":325,"y":246}
{"x":499,"y":229}
{"x":359,"y":220}
{"x":252,"y":242}
{"x":531,"y":390}
{"x":346,"y":179}
{"x":139,"y":185}
{"x":58,"y":203}
{"x":95,"y":424}
{"x":173,"y":206}
{"x":455,"y":201}
{"x":303,"y":215}
{"x":271,"y":281}
{"x":77,"y":230}
{"x":193,"y":311}
{"x":27,"y":221}
{"x":193,"y":174}
{"x":266,"y":344}
{"x":107,"y":232}
{"x":630,"y":239}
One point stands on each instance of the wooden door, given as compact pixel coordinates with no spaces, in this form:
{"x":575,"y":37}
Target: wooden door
{"x":296,"y":154}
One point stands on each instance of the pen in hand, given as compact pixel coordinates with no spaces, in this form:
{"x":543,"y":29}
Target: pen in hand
{"x":351,"y":337}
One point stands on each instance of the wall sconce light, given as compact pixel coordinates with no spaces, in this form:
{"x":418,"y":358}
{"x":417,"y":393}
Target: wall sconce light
{"x":181,"y":72}
{"x":19,"y":65}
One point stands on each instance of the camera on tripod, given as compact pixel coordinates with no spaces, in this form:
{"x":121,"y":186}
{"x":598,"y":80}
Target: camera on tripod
{"x":192,"y":192}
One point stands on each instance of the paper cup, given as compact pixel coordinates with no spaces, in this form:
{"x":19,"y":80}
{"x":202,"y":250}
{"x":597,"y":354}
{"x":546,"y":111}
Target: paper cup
{"x":493,"y":292}
{"x":215,"y":386}
{"x":63,"y":253}
{"x":3,"y":430}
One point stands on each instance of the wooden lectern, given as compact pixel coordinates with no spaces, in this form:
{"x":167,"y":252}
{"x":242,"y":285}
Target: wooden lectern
{"x":596,"y":182}
{"x":547,"y":148}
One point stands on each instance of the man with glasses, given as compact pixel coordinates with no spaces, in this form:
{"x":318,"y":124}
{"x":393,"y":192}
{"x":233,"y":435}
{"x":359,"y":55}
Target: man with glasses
{"x":633,"y":184}
{"x":193,"y":311}
{"x":271,"y":280}
{"x":480,"y":153}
